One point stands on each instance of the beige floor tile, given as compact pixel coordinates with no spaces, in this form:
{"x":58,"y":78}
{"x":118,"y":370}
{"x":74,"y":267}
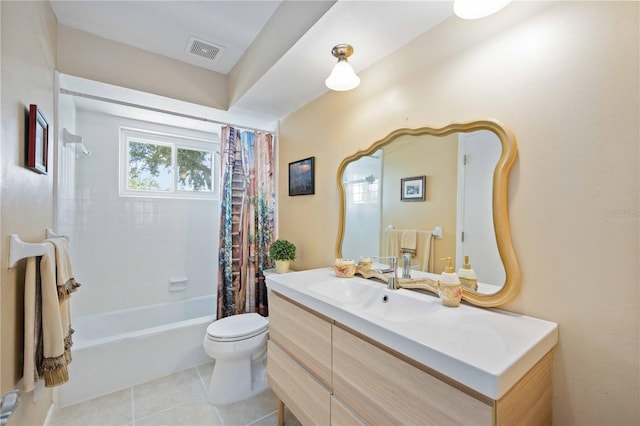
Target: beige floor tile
{"x":112,"y":409}
{"x":158,"y":395}
{"x":176,"y":400}
{"x":272,"y":419}
{"x":201,"y":414}
{"x":205,"y":371}
{"x":248,"y":411}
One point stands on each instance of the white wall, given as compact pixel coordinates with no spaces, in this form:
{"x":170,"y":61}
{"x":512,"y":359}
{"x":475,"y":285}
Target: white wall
{"x":127,"y":248}
{"x":564,"y":77}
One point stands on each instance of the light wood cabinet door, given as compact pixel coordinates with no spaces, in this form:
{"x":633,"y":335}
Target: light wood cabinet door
{"x":384,"y":390}
{"x":341,"y":415}
{"x":304,"y":335}
{"x":307,"y":399}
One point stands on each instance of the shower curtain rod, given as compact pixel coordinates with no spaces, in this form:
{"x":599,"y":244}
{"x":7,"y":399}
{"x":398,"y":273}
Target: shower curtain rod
{"x":163,"y":111}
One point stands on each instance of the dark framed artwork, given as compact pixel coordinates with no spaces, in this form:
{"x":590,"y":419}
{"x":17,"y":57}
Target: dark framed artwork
{"x":302,"y":177}
{"x":413,"y":188}
{"x":37,"y":141}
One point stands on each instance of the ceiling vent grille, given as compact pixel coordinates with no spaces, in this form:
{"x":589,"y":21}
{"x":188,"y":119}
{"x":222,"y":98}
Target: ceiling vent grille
{"x":204,"y":49}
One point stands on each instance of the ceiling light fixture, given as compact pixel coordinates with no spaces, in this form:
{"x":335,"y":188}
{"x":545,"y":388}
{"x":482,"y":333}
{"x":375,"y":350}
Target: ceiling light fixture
{"x":342,"y":76}
{"x":475,"y":9}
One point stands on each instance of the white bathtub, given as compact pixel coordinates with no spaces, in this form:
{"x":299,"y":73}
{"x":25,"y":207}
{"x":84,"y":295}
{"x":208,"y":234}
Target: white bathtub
{"x":116,"y":350}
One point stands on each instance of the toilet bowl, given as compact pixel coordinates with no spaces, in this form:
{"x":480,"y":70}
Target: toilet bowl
{"x":238,"y":344}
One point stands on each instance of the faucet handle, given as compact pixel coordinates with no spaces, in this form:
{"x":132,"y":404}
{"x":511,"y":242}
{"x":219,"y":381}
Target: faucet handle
{"x":393,"y":261}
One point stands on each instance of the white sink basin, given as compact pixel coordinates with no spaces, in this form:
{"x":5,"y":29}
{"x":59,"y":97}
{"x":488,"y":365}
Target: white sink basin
{"x":372,"y":300}
{"x":399,"y":306}
{"x":347,"y":291}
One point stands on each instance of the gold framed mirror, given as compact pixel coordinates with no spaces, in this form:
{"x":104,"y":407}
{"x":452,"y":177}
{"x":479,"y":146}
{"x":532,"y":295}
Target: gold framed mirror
{"x":438,"y":155}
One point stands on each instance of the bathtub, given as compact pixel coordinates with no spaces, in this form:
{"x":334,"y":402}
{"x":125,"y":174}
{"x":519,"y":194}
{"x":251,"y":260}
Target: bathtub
{"x":117,"y":350}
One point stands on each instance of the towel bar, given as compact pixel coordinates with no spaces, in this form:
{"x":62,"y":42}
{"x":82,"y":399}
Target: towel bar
{"x":437,"y":231}
{"x":19,"y":249}
{"x":51,"y":234}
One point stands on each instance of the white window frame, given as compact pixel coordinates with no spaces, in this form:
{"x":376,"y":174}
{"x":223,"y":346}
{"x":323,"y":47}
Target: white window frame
{"x":128,"y":134}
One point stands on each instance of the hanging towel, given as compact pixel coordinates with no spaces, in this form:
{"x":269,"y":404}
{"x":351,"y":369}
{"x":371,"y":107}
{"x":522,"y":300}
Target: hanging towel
{"x":49,"y":283}
{"x":64,"y":274}
{"x":409,"y":241}
{"x":424,"y":252}
{"x":393,"y":243}
{"x":32,"y":325}
{"x":66,"y":284}
{"x":55,"y":326}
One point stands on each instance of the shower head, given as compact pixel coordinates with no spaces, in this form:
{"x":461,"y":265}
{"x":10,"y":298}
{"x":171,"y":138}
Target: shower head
{"x":81,"y":151}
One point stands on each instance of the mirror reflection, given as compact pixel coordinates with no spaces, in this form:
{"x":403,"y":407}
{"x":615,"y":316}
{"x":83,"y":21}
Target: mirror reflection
{"x":397,"y":197}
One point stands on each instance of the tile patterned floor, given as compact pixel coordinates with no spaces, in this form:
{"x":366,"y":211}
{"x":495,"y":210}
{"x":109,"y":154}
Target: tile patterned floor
{"x":178,"y":399}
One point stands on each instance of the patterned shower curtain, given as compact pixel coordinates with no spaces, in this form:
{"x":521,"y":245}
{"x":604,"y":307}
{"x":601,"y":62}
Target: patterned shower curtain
{"x":246,"y":220}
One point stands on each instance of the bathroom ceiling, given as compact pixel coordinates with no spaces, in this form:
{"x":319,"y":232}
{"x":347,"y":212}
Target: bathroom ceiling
{"x":296,"y":76}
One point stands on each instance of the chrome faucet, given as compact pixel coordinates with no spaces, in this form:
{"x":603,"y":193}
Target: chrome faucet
{"x":393,"y":271}
{"x":406,"y":265}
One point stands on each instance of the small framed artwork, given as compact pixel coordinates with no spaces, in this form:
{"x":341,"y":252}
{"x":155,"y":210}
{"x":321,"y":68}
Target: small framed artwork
{"x":37,"y":141}
{"x":413,"y":188}
{"x":301,"y":177}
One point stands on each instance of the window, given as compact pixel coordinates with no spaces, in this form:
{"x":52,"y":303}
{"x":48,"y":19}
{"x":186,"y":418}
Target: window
{"x":161,"y":165}
{"x":362,"y":190}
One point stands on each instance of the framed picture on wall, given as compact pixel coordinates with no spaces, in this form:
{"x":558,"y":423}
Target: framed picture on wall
{"x":301,"y":177}
{"x":37,"y":141}
{"x":413,"y":188}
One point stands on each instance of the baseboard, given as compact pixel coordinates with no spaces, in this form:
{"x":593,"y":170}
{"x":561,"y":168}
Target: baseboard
{"x":51,"y":414}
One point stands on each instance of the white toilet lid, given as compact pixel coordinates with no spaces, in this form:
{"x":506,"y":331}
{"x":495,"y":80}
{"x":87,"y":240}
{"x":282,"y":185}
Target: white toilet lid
{"x":237,"y":327}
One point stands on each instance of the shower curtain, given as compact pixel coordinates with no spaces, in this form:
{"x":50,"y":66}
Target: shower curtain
{"x":246,"y":220}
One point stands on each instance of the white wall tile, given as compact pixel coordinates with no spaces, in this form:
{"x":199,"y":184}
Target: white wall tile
{"x":125,"y":249}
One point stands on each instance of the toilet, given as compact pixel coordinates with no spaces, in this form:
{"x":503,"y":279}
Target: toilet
{"x":238,"y":344}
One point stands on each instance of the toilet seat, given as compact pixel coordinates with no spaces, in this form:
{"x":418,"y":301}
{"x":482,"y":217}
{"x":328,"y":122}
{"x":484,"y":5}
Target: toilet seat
{"x":237,"y":327}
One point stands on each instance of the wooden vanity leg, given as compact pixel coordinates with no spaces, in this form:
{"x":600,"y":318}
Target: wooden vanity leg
{"x":280,"y":413}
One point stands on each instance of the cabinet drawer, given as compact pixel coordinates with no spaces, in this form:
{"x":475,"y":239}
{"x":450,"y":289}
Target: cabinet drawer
{"x":383,"y":389}
{"x":309,"y":400}
{"x":306,"y":336}
{"x":341,"y":415}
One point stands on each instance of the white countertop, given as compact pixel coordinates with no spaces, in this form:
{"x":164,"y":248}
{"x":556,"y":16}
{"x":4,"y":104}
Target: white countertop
{"x":487,"y":350}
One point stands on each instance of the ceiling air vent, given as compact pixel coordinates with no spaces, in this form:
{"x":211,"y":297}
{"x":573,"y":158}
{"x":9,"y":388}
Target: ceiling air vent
{"x":204,"y":49}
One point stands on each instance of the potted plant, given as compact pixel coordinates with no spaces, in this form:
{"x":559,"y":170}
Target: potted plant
{"x":283,"y":252}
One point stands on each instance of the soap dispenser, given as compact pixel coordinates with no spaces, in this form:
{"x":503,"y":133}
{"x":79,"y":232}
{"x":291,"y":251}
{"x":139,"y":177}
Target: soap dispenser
{"x":467,"y":276}
{"x":449,"y":287}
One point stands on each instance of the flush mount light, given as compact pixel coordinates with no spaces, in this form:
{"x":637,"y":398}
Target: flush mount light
{"x":475,"y":9}
{"x":342,"y":76}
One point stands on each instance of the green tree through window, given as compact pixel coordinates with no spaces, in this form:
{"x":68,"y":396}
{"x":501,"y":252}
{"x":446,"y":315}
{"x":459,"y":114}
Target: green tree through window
{"x":168,"y":165}
{"x":194,"y":170}
{"x":149,"y":167}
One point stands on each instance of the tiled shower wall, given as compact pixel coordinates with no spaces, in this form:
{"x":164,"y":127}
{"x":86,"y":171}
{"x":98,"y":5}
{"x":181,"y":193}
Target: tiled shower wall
{"x":126,"y":249}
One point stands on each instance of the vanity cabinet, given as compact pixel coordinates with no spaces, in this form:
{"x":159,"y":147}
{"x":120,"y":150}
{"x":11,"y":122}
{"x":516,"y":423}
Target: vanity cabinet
{"x":326,"y":373}
{"x":299,"y":360}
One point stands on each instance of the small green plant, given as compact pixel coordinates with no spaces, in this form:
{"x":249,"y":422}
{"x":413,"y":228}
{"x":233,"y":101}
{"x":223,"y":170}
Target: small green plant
{"x":282,"y":250}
